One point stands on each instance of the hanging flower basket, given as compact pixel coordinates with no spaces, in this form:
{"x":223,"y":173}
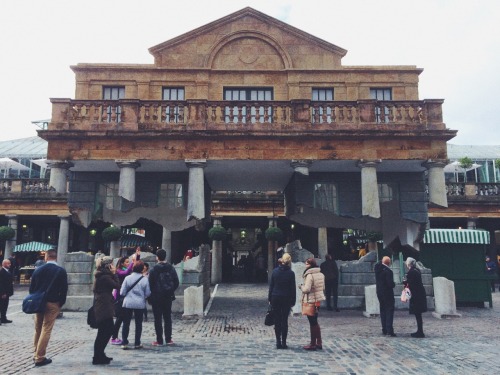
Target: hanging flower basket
{"x":217,"y":233}
{"x":274,"y":234}
{"x":6,"y":233}
{"x":111,"y":234}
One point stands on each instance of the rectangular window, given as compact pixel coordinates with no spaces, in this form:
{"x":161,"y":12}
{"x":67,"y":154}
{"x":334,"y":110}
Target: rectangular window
{"x":108,"y":196}
{"x":325,"y":197}
{"x":387,"y":192}
{"x":240,"y":112}
{"x":381,"y":111}
{"x":171,"y":195}
{"x":174,"y":113}
{"x":322,"y":112}
{"x":112,"y":93}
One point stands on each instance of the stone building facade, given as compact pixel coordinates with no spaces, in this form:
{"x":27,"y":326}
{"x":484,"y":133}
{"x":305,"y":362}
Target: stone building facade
{"x":250,"y":104}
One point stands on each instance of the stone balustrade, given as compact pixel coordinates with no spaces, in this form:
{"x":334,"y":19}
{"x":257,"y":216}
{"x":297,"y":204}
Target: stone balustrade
{"x":476,"y":189}
{"x":25,"y":186}
{"x":134,"y":114}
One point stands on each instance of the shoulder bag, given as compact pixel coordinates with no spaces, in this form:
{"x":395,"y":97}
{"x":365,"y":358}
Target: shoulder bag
{"x":91,"y":319}
{"x":405,"y":295}
{"x":119,"y":301}
{"x":35,"y":302}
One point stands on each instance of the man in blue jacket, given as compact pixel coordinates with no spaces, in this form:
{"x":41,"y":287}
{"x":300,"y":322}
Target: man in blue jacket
{"x":385,"y":294}
{"x":56,"y":297}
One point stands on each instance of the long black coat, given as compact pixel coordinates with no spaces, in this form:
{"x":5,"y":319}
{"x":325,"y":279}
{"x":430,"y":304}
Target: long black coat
{"x":6,"y":286}
{"x":384,"y":278}
{"x":418,"y":301}
{"x":104,"y":284}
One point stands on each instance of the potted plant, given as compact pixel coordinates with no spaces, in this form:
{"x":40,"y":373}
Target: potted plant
{"x":217,"y":233}
{"x":465,"y":163}
{"x":274,"y":234}
{"x":6,"y":233}
{"x":111,"y":234}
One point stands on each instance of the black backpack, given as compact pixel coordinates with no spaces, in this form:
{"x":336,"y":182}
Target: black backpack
{"x":165,"y":283}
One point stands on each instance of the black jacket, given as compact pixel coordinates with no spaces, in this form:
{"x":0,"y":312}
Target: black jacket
{"x":418,"y":300}
{"x":283,"y":284}
{"x":6,"y":286}
{"x":42,"y":278}
{"x":104,"y":303}
{"x":154,"y":278}
{"x":385,"y":284}
{"x":329,"y":269}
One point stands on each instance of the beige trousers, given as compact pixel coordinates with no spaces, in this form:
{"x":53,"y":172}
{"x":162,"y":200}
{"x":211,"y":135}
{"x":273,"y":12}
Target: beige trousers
{"x":44,"y":322}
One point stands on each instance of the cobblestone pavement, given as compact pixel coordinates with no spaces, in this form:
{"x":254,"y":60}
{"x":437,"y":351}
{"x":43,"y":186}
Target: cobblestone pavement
{"x":232,"y":339}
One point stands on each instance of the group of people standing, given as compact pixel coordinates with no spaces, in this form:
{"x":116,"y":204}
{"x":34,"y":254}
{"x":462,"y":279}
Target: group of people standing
{"x":385,"y":293}
{"x":132,"y":290}
{"x":317,"y":280}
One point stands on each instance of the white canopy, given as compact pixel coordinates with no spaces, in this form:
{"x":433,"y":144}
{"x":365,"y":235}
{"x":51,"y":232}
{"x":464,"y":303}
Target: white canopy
{"x":7,"y":164}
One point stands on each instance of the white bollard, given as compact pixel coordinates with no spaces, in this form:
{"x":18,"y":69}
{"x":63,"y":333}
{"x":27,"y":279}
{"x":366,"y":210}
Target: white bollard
{"x":372,"y":306}
{"x":445,"y":305}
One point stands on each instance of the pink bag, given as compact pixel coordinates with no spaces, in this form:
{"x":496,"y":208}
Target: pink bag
{"x":405,"y":295}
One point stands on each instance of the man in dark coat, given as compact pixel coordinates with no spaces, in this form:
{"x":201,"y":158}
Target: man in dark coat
{"x":330,"y":270}
{"x":418,"y":301}
{"x":6,"y":290}
{"x":56,"y":297}
{"x":385,"y":294}
{"x":163,"y":281}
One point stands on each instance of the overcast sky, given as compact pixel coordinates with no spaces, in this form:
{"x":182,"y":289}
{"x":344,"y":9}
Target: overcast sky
{"x":456,"y":42}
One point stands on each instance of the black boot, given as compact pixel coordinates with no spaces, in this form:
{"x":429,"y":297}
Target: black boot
{"x":103,"y":360}
{"x":278,"y":339}
{"x":283,"y":340}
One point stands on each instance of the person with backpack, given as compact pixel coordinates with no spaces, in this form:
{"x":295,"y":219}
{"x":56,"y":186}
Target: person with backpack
{"x":163,"y":282}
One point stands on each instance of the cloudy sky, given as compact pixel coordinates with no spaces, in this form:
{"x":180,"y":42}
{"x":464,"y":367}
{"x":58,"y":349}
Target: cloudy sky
{"x":456,"y":42}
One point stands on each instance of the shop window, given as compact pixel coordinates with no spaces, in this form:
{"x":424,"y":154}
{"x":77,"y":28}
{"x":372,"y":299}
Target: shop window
{"x":171,"y":195}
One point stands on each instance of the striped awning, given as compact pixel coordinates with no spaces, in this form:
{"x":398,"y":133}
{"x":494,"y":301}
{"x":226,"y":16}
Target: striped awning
{"x":33,"y":246}
{"x":456,"y":236}
{"x":132,"y":240}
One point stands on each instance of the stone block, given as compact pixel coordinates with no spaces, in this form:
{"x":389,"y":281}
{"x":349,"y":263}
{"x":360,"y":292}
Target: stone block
{"x":79,"y":278}
{"x":78,"y":303}
{"x":444,"y":298}
{"x":79,"y":256}
{"x":79,"y":289}
{"x":351,"y":302}
{"x":78,"y":267}
{"x":372,"y":306}
{"x":193,"y":302}
{"x":352,"y":290}
{"x":357,"y":278}
{"x":357,"y":267}
{"x":192,"y":278}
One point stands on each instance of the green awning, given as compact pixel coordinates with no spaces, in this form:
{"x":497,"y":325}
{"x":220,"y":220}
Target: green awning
{"x":457,"y":236}
{"x":132,"y":240}
{"x":33,"y":246}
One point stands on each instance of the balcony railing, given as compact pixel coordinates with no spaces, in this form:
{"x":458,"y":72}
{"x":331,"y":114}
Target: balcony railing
{"x":476,"y":189}
{"x":25,"y":186}
{"x":132,"y":114}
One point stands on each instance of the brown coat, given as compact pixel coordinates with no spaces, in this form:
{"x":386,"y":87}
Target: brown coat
{"x":104,"y":306}
{"x":314,"y":285}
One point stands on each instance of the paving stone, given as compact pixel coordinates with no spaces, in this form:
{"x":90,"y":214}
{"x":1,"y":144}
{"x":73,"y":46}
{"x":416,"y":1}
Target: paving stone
{"x":232,"y":339}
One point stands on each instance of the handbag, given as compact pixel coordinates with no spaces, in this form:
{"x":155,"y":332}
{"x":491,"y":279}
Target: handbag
{"x":269,"y":319}
{"x":405,"y":295}
{"x":35,"y":302}
{"x":91,"y":320}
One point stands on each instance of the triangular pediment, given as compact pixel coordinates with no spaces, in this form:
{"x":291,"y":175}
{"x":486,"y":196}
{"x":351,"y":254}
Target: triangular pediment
{"x":247,"y":39}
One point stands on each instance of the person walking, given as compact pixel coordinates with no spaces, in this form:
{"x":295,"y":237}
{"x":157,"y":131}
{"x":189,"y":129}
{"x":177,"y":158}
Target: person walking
{"x":6,"y":290}
{"x":384,"y":279}
{"x":491,"y":270}
{"x":331,"y":271}
{"x":163,"y":282}
{"x":135,"y":288}
{"x":418,"y":300}
{"x":312,"y":292}
{"x":48,"y":274}
{"x":105,"y":281}
{"x":281,"y":296}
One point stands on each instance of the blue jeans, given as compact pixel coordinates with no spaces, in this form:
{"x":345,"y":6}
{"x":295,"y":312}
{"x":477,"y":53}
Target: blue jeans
{"x":127,"y":317}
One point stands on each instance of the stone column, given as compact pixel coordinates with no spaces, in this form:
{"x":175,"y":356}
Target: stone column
{"x":196,"y":189}
{"x":270,"y":250}
{"x":369,"y":188}
{"x":58,"y":172}
{"x":216,"y":257}
{"x":322,"y":243}
{"x":115,"y":249}
{"x":10,"y":244}
{"x":166,"y":243}
{"x":126,"y":188}
{"x":62,"y":244}
{"x":301,"y":166}
{"x":437,"y":185}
